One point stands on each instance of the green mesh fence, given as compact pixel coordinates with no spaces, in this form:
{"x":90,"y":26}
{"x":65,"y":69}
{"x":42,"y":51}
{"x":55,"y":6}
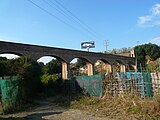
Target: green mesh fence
{"x":9,"y":92}
{"x":145,"y":87}
{"x":142,"y":80}
{"x":91,"y":85}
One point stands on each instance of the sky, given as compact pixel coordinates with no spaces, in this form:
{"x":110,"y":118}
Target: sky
{"x":67,"y":23}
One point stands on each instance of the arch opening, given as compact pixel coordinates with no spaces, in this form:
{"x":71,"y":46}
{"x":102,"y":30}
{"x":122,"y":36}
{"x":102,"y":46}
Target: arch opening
{"x":130,"y":67}
{"x":78,"y":67}
{"x":52,"y":64}
{"x":116,"y":67}
{"x":51,"y":69}
{"x":10,"y":55}
{"x":102,"y":67}
{"x":47,"y":58}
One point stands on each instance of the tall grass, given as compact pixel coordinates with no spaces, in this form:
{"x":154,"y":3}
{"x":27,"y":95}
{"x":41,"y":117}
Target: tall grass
{"x":125,"y":107}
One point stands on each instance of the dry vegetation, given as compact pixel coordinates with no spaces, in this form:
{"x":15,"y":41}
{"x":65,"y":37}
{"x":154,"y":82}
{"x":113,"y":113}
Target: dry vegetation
{"x":122,"y":107}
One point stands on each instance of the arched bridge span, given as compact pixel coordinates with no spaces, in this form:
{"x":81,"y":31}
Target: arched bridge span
{"x":65,"y":55}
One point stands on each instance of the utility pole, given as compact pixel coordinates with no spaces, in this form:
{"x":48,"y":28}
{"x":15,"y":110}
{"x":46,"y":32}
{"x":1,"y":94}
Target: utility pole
{"x":106,"y":45}
{"x":136,"y":63}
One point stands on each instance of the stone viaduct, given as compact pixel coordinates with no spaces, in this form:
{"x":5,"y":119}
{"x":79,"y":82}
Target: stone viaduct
{"x":65,"y":56}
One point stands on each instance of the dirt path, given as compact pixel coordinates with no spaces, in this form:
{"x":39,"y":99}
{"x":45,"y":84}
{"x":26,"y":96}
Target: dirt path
{"x":49,"y":111}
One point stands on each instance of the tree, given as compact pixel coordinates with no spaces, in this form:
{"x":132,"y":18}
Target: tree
{"x":31,"y":81}
{"x":153,"y":51}
{"x":53,"y":67}
{"x":3,"y":66}
{"x":140,"y":53}
{"x":80,"y":63}
{"x":154,"y":67}
{"x":28,"y":72}
{"x":146,"y":53}
{"x":51,"y":73}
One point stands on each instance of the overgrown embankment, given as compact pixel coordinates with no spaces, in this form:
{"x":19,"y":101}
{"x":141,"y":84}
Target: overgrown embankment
{"x":121,"y":107}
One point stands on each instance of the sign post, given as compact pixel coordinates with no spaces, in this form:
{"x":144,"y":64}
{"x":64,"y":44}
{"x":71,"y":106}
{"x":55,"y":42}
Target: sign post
{"x":88,"y":45}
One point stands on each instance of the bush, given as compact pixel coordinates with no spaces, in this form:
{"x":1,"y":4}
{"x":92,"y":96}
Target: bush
{"x":28,"y":72}
{"x":30,"y":80}
{"x":47,"y":78}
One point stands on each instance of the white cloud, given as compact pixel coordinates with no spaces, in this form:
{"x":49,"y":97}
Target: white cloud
{"x":144,"y":19}
{"x":153,"y":19}
{"x":156,"y":9}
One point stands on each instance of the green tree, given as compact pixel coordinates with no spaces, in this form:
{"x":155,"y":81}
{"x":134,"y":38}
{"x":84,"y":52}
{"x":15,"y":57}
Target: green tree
{"x":48,"y":78}
{"x":140,"y":53}
{"x":51,"y":73}
{"x":3,"y":66}
{"x":155,"y":67}
{"x":80,"y":63}
{"x":152,"y":50}
{"x":31,"y":81}
{"x":147,"y":52}
{"x":53,"y":67}
{"x":75,"y":67}
{"x":28,"y":71}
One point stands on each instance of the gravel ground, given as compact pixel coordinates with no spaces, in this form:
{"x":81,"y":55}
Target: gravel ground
{"x":49,"y":111}
{"x":72,"y":115}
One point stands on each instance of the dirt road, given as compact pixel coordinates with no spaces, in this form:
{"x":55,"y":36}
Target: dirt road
{"x":50,"y":111}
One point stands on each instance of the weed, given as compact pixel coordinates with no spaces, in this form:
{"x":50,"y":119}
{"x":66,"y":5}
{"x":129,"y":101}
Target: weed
{"x":119,"y":107}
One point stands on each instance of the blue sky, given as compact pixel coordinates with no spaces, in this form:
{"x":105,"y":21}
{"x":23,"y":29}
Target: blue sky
{"x":121,"y":22}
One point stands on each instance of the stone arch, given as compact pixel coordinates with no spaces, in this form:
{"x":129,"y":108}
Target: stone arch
{"x":89,"y":65}
{"x":102,"y":66}
{"x":78,"y":67}
{"x":119,"y":62}
{"x":64,"y":63}
{"x":118,"y":66}
{"x":104,"y":60}
{"x":54,"y":56}
{"x":83,"y":58}
{"x":130,"y":66}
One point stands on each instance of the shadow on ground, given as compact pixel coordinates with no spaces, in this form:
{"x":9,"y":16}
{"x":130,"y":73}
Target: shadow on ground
{"x":34,"y":116}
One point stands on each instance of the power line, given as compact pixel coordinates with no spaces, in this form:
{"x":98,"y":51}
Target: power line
{"x":84,"y":24}
{"x":64,"y":11}
{"x":54,"y":16}
{"x":66,"y":15}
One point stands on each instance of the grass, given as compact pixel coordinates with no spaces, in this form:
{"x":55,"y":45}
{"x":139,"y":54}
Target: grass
{"x":119,"y":107}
